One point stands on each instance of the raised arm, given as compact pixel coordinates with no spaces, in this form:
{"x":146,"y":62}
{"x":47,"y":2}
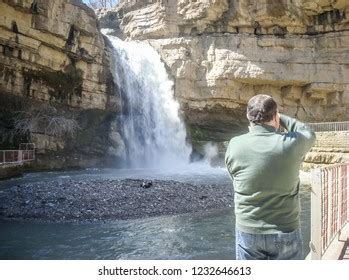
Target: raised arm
{"x":298,"y":131}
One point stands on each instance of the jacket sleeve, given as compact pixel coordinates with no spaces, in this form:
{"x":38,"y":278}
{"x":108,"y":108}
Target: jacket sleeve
{"x":299,"y":133}
{"x":228,"y":160}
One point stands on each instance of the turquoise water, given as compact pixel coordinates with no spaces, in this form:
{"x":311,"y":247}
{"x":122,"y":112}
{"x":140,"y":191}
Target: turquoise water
{"x":208,"y":235}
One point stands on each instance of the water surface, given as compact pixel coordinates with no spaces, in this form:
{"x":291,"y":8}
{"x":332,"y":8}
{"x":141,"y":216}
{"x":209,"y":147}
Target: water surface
{"x":208,"y":235}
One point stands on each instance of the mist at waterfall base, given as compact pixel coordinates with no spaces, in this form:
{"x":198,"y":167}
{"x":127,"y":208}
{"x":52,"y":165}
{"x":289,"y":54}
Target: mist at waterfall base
{"x":156,"y":148}
{"x":150,"y":124}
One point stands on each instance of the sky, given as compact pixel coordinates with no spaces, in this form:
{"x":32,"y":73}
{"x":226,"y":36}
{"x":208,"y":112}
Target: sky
{"x":86,"y":1}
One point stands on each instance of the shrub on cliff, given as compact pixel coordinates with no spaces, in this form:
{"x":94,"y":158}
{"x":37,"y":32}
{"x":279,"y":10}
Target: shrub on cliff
{"x":46,"y":120}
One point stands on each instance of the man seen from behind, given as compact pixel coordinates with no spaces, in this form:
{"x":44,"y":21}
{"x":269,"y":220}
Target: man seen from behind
{"x":264,"y":166}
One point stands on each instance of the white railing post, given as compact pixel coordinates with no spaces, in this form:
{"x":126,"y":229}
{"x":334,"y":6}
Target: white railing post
{"x":316,"y":223}
{"x":20,"y":156}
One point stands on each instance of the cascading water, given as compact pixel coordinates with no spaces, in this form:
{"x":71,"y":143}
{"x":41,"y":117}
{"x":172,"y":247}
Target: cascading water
{"x":151,"y":127}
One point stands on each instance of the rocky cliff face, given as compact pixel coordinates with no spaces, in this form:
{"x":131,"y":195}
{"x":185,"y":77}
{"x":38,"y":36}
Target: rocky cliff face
{"x":144,"y":19}
{"x":53,"y":65}
{"x":221,"y":53}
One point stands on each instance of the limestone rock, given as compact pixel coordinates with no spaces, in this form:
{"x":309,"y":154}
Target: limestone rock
{"x":144,"y":19}
{"x":45,"y":143}
{"x":52,"y":52}
{"x":201,"y":13}
{"x":221,"y":53}
{"x":324,"y":158}
{"x":331,"y":147}
{"x":215,"y":76}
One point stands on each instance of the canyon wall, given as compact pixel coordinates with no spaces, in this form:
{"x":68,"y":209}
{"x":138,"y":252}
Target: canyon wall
{"x":53,"y":66}
{"x":53,"y":73}
{"x":221,"y":53}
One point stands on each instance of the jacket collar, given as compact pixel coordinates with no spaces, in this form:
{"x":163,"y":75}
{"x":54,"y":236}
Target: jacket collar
{"x":261,"y":128}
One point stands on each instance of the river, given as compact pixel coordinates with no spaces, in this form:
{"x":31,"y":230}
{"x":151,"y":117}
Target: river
{"x":207,"y":235}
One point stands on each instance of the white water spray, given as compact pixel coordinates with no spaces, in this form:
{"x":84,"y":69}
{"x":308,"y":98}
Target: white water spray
{"x":210,"y":152}
{"x":151,"y":127}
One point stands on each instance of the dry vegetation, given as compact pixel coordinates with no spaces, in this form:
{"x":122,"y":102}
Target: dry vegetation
{"x":47,"y":120}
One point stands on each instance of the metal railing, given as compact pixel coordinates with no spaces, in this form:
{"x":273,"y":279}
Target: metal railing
{"x":25,"y":153}
{"x":330,"y":126}
{"x":329,"y":210}
{"x":27,"y":146}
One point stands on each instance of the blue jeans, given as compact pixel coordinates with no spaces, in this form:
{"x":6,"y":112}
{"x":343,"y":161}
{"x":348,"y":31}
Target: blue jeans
{"x":279,"y":246}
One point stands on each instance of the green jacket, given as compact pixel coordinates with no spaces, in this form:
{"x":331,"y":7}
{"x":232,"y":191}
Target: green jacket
{"x":264,"y":166}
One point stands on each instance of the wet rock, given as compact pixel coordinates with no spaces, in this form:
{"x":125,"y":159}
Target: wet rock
{"x":147,"y":184}
{"x":91,"y":200}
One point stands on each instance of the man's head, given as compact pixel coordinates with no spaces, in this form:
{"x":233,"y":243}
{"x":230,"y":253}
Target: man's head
{"x":262,"y":109}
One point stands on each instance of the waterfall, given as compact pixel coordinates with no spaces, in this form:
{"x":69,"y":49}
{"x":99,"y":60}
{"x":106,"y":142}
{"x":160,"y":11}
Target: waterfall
{"x":150,"y":124}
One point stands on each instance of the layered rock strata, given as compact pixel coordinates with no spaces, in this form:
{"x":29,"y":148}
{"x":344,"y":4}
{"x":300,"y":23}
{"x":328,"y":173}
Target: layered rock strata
{"x":221,"y":53}
{"x":52,"y":55}
{"x":331,"y":147}
{"x":145,"y":19}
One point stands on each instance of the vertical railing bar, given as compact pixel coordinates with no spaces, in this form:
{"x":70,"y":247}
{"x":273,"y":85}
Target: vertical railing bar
{"x":330,"y":126}
{"x":25,"y":152}
{"x":316,"y":215}
{"x":331,"y":213}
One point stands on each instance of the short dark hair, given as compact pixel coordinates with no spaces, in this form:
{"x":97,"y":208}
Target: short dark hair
{"x":261,"y":108}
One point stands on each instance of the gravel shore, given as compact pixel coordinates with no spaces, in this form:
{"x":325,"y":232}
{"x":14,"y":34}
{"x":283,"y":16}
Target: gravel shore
{"x":99,"y":200}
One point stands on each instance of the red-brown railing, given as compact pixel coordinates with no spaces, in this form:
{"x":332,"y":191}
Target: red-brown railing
{"x":25,"y":153}
{"x":329,"y":210}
